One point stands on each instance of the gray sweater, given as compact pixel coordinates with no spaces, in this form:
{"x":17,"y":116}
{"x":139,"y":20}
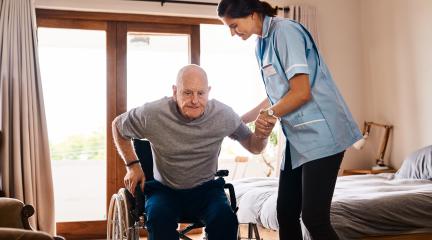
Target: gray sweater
{"x":185,"y":152}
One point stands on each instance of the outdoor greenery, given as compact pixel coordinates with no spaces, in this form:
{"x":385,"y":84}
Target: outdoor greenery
{"x":273,"y":140}
{"x":80,"y":147}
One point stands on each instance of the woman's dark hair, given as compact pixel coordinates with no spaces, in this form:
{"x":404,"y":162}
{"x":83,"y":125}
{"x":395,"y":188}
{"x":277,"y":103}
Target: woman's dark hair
{"x":243,"y":8}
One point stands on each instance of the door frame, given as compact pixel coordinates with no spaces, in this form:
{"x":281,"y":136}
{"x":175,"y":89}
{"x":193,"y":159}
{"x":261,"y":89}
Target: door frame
{"x":116,"y":26}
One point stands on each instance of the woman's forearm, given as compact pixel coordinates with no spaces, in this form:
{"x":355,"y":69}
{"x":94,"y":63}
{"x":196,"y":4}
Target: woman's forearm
{"x":298,"y":95}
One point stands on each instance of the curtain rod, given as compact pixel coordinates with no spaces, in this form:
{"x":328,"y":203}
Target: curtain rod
{"x":162,"y":2}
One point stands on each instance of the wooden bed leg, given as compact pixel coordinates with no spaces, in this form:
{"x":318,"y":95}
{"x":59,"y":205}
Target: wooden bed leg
{"x":250,"y":230}
{"x":253,"y":232}
{"x":257,"y":236}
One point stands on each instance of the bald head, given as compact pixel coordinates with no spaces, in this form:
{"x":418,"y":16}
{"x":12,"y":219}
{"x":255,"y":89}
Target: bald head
{"x":191,"y":70}
{"x":191,"y":91}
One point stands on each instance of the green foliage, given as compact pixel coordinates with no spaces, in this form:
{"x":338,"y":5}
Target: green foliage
{"x":273,"y":140}
{"x":76,"y":147}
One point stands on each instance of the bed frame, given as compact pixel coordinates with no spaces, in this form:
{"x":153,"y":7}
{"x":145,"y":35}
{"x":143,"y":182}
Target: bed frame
{"x":268,"y":234}
{"x":415,"y":236}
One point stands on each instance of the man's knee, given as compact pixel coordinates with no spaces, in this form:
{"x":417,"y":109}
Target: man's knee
{"x":159,"y":215}
{"x":223,"y":226}
{"x":223,"y":219}
{"x":161,"y":223}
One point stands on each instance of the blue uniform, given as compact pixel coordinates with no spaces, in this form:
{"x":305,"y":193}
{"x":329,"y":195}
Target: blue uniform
{"x":323,"y":126}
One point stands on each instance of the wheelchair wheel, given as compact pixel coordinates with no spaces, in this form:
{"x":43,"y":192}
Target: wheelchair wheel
{"x":114,"y":228}
{"x":126,"y":205}
{"x":119,"y":220}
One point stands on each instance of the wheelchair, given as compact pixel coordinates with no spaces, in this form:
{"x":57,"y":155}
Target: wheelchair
{"x":126,"y":217}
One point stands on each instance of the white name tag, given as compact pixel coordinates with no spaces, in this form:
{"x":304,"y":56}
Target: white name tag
{"x":268,"y":70}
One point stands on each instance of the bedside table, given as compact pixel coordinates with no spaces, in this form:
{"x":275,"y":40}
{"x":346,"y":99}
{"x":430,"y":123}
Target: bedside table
{"x":347,"y":172}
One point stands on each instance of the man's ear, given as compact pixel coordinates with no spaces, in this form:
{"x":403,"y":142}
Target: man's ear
{"x":174,"y":89}
{"x":209,"y":88}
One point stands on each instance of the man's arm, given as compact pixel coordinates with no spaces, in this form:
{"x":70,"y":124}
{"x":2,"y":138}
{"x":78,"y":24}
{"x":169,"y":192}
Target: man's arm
{"x":124,"y":146}
{"x":257,"y":141}
{"x":254,"y":144}
{"x":126,"y":150}
{"x":253,"y":113}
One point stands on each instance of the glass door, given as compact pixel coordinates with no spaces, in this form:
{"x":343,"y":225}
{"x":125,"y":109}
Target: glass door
{"x":153,"y":55}
{"x":153,"y":60}
{"x":73,"y":70}
{"x":92,"y":71}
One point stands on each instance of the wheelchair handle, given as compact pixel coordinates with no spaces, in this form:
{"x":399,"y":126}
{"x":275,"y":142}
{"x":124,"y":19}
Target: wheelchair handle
{"x":222,"y":173}
{"x":233,"y":200}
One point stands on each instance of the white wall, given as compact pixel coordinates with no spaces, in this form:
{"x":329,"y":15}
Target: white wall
{"x":397,"y":37}
{"x":340,"y":43}
{"x":339,"y":32}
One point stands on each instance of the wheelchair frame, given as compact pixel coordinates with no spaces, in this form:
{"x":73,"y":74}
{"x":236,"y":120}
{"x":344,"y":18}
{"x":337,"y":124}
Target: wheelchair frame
{"x":126,"y":214}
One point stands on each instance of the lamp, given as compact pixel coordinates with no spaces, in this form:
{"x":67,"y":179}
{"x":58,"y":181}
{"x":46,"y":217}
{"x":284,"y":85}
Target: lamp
{"x":380,"y":165}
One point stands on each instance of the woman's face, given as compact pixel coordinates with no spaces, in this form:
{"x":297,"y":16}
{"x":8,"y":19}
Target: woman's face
{"x":243,"y":27}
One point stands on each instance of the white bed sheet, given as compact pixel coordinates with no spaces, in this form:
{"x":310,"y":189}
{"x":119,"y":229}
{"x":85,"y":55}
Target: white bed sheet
{"x":363,"y":205}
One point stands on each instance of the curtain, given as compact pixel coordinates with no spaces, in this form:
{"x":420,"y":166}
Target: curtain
{"x":306,"y":15}
{"x":24,"y":152}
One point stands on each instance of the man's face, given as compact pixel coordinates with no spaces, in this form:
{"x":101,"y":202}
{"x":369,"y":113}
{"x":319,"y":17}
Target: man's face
{"x":191,"y":94}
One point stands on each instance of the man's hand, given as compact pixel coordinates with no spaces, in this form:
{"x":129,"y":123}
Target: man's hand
{"x":264,"y":125}
{"x":134,"y":176}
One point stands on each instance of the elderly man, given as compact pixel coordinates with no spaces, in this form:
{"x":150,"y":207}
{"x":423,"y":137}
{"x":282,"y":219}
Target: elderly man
{"x":186,"y":132}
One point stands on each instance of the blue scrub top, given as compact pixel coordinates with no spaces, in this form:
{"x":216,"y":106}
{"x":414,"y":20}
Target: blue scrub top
{"x":323,"y":126}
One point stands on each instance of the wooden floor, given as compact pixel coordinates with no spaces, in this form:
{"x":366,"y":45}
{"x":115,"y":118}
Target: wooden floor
{"x":265,"y":234}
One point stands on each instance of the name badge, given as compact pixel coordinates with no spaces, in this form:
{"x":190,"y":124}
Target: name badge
{"x":268,"y":70}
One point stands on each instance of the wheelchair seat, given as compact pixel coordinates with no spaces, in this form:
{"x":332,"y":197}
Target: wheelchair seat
{"x":126,"y":214}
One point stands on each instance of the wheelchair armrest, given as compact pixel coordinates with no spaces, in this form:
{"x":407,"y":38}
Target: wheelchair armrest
{"x":137,"y":203}
{"x":222,"y":173}
{"x":233,"y":200}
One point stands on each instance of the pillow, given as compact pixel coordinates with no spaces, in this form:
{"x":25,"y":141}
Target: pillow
{"x":417,"y":165}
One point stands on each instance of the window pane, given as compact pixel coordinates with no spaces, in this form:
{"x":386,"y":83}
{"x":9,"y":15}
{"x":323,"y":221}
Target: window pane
{"x":152,"y":65}
{"x":73,"y":69}
{"x":235,"y":80}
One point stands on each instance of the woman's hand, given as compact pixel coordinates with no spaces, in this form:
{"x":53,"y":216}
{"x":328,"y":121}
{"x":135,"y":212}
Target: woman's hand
{"x":133,"y":177}
{"x":254,"y":112}
{"x":264,"y":124}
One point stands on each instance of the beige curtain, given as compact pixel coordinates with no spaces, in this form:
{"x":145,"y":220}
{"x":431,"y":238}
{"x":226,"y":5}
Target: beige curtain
{"x":306,"y":15}
{"x":24,"y":151}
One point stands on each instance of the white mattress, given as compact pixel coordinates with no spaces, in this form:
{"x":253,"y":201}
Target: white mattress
{"x":363,"y":205}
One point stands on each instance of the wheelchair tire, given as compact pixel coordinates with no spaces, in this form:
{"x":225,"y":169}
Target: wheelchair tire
{"x":126,"y":204}
{"x":111,"y":221}
{"x":119,"y":222}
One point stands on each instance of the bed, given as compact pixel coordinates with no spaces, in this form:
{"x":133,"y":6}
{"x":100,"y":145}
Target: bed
{"x":381,"y":206}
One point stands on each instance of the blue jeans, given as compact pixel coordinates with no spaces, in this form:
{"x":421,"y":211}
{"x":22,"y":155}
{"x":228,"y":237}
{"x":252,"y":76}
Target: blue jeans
{"x":165,"y":207}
